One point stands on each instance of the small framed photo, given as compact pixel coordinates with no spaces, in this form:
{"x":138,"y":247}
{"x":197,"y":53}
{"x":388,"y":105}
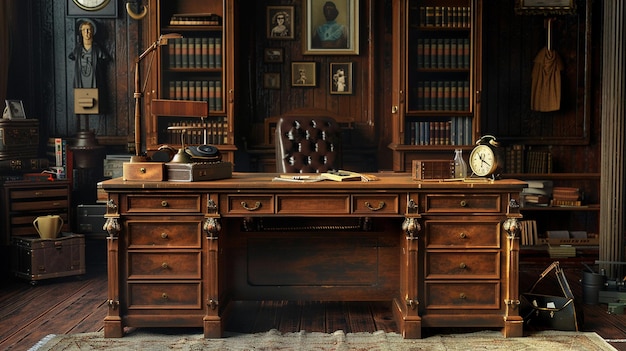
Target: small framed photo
{"x":280,"y":22}
{"x":330,"y":27}
{"x":341,"y":78}
{"x":273,"y":55}
{"x":303,"y":74}
{"x":15,"y":109}
{"x":271,"y":80}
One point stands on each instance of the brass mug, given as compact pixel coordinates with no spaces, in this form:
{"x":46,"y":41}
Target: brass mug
{"x":49,"y":226}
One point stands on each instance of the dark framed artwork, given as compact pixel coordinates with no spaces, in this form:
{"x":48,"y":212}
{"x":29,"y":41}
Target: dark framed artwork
{"x":330,"y":27}
{"x":303,"y":74}
{"x":341,"y":79}
{"x":271,"y":80}
{"x":280,"y":22}
{"x":273,"y":55}
{"x":15,"y":109}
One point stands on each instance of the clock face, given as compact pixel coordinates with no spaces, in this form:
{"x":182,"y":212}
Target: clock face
{"x":91,"y":5}
{"x":483,"y":161}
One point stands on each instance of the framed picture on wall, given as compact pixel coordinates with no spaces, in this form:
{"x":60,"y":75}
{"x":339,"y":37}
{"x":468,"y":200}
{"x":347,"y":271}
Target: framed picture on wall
{"x":273,"y":55}
{"x":303,"y":74}
{"x":280,"y":22}
{"x":341,"y":78}
{"x":271,"y":80}
{"x":14,"y":109}
{"x":330,"y":27}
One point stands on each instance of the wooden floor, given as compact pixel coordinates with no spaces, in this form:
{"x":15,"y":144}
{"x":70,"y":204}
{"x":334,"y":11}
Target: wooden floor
{"x":75,"y":305}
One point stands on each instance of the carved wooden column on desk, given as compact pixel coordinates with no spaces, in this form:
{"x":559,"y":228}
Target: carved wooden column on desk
{"x":213,"y":326}
{"x":513,"y":322}
{"x":113,"y":321}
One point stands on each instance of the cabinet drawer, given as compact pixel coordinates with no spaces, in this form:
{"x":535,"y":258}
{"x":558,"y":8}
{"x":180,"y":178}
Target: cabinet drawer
{"x":46,"y":204}
{"x":455,"y":295}
{"x":178,"y":295}
{"x":461,"y":203}
{"x":476,"y":264}
{"x":164,"y":265}
{"x":163,"y":203}
{"x":38,"y":193}
{"x":248,"y":204}
{"x":481,"y":233}
{"x":157,"y":233}
{"x":375,"y":204}
{"x":318,"y":204}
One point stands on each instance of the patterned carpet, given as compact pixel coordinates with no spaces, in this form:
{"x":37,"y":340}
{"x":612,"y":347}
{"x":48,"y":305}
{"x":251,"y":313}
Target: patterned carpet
{"x":338,"y":341}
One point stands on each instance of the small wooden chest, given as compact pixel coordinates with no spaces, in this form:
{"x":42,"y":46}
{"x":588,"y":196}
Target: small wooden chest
{"x":149,"y":171}
{"x":33,"y":258}
{"x":192,"y":172}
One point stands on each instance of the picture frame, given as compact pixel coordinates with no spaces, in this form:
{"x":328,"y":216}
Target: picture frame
{"x":545,"y":7}
{"x":15,"y":109}
{"x":280,"y":22}
{"x":303,"y":74}
{"x":271,"y":80}
{"x":341,"y":78}
{"x":273,"y":55}
{"x":314,"y":20}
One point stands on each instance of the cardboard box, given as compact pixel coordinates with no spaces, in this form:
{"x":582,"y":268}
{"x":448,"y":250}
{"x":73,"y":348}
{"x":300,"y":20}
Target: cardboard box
{"x":151,"y":171}
{"x":193,"y":172}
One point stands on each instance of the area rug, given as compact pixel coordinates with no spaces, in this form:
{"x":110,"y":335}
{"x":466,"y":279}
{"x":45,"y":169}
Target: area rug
{"x":337,"y":341}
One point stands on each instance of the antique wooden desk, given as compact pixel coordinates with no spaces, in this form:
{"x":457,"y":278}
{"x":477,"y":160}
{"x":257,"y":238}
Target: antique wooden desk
{"x":178,"y":253}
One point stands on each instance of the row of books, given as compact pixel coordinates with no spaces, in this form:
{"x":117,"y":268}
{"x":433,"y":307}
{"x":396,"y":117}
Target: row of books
{"x":198,"y":90}
{"x":59,"y":154}
{"x":214,"y":131}
{"x":519,"y":159}
{"x":195,"y":19}
{"x":445,"y":16}
{"x":456,"y":131}
{"x":195,"y":53}
{"x":453,"y":53}
{"x":443,"y":95}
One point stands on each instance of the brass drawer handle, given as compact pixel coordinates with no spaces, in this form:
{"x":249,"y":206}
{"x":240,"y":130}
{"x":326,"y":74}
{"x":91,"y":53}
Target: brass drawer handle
{"x":164,"y":296}
{"x":164,"y":203}
{"x":142,"y":170}
{"x":462,"y":265}
{"x":164,"y":265}
{"x":463,"y":203}
{"x":462,"y":296}
{"x":381,"y":204}
{"x":257,"y":205}
{"x":163,"y":235}
{"x":463,"y":236}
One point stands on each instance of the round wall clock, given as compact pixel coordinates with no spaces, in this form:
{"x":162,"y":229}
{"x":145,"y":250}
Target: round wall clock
{"x":92,"y":8}
{"x":485,"y":159}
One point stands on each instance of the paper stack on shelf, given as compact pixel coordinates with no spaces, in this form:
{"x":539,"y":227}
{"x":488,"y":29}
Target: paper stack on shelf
{"x":537,"y":193}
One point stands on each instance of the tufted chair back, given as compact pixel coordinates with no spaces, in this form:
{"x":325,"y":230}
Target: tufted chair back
{"x":307,"y":144}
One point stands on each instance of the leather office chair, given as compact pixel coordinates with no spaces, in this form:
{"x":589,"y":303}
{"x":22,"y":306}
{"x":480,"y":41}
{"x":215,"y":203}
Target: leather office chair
{"x":307,"y":144}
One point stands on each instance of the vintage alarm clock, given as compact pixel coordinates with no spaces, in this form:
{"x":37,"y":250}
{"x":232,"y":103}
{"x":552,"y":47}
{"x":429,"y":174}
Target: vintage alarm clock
{"x":485,"y":160}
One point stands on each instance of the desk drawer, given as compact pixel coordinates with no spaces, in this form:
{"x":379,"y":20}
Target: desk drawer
{"x":318,"y":204}
{"x":158,"y":296}
{"x":461,"y":203}
{"x":164,"y":265}
{"x":474,"y":233}
{"x":455,"y":295}
{"x":248,"y":204}
{"x":467,"y":265}
{"x":157,"y":233}
{"x":375,"y":204}
{"x":163,"y":203}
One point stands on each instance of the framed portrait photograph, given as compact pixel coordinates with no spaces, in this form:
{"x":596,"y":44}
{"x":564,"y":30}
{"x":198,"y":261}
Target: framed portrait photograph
{"x":330,"y":27}
{"x":280,"y":22}
{"x":15,"y":109}
{"x":303,"y":74}
{"x":271,"y":80}
{"x":273,"y":55}
{"x":340,"y":78}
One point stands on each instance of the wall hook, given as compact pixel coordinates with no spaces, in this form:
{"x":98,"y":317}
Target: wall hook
{"x":134,"y":15}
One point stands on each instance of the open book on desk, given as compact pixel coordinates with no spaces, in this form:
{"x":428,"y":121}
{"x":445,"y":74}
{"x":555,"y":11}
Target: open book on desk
{"x":336,"y":176}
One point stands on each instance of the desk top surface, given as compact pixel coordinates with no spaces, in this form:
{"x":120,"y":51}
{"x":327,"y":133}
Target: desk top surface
{"x":265,"y":181}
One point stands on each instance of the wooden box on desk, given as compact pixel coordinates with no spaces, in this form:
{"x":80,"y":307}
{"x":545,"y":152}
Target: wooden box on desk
{"x":151,"y":171}
{"x":34,"y":258}
{"x":432,"y":169}
{"x":193,"y":172}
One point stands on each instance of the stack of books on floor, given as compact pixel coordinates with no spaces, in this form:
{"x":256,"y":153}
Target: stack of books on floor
{"x":566,"y":196}
{"x":537,"y":193}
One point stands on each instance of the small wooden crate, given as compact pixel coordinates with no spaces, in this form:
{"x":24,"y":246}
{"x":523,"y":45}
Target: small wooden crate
{"x":151,"y":171}
{"x":432,"y":169}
